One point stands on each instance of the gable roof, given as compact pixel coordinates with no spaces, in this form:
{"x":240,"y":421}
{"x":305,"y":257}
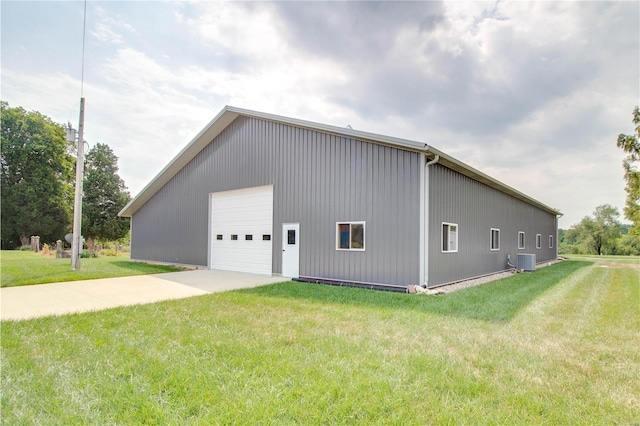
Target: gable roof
{"x":229,"y":114}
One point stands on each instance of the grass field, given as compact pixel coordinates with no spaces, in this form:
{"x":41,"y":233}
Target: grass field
{"x":559,"y":346}
{"x":25,"y":268}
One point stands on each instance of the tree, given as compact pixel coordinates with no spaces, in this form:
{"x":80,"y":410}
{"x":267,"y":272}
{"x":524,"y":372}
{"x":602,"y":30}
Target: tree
{"x":601,"y":231}
{"x":630,"y":145}
{"x":105,"y":194}
{"x":36,"y":177}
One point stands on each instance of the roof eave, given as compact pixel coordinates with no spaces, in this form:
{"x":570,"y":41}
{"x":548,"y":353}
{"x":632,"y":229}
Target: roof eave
{"x":477,"y":175}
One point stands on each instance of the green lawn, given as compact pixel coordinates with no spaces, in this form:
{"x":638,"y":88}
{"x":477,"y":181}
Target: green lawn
{"x":559,"y":346}
{"x":25,"y":268}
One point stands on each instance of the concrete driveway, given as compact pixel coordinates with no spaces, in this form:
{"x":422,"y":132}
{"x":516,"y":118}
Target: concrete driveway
{"x":18,"y":303}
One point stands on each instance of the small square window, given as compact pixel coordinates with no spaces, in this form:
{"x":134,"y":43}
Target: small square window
{"x":495,"y":239}
{"x":521,"y":240}
{"x":449,"y":237}
{"x":350,"y":235}
{"x":219,"y":237}
{"x":234,"y":237}
{"x":538,"y":241}
{"x":266,"y":237}
{"x":248,"y":237}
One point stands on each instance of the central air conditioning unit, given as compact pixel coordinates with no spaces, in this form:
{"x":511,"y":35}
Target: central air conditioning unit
{"x":526,"y":262}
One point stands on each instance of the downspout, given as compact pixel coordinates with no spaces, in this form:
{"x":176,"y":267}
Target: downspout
{"x":557,"y":242}
{"x":424,"y":216}
{"x":434,"y":161}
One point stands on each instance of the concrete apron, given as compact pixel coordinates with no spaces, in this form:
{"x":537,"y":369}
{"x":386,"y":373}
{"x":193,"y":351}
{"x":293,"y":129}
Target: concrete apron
{"x":19,"y":303}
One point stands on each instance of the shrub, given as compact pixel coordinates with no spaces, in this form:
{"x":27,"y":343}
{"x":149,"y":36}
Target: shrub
{"x":111,"y":252}
{"x":26,"y":247}
{"x":86,"y":254}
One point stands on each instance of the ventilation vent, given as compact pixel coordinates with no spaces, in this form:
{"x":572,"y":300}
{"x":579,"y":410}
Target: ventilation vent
{"x":526,"y":262}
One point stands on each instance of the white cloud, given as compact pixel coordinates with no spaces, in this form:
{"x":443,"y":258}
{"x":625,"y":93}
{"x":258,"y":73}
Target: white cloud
{"x":55,"y":95}
{"x":144,"y":124}
{"x":105,"y":33}
{"x":277,"y":77}
{"x":245,"y":29}
{"x":107,"y":27}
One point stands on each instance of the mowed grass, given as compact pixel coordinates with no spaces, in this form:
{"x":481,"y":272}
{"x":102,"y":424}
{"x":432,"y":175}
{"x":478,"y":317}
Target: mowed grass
{"x":559,"y":346}
{"x":26,"y":268}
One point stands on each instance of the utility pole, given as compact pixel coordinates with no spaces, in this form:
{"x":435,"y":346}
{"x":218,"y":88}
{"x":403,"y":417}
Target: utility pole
{"x":76,"y":242}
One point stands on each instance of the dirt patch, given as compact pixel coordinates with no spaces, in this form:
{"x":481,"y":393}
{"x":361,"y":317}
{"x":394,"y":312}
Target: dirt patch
{"x":635,"y":266}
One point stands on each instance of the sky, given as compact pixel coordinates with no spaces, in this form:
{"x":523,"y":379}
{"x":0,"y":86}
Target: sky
{"x":533,"y":94}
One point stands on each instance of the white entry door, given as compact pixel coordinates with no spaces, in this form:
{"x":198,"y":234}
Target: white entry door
{"x":291,"y":250}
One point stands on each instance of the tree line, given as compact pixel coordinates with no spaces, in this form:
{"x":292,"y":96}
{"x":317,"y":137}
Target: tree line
{"x":600,"y":233}
{"x":38,"y":183}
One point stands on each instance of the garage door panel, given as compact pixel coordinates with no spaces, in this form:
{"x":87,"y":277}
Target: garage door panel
{"x":242,"y":259}
{"x":242,"y":212}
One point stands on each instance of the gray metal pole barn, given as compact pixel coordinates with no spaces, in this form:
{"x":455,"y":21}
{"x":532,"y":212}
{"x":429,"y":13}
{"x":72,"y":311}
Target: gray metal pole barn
{"x":405,"y":193}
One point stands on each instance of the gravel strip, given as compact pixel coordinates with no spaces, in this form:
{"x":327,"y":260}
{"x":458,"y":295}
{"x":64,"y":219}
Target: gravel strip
{"x":448,"y":288}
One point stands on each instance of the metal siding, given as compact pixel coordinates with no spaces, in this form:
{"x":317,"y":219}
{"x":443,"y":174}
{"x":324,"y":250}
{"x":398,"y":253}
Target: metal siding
{"x":318,"y":178}
{"x":477,"y":208}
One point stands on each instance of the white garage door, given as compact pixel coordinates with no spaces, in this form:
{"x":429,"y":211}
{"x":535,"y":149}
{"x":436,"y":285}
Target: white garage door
{"x":242,"y":230}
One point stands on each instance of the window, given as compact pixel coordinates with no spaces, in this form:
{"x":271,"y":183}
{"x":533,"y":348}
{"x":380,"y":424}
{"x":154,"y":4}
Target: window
{"x":234,"y":237}
{"x":538,"y":241}
{"x":449,"y":237}
{"x":266,"y":237}
{"x":550,"y":241}
{"x":248,"y":237}
{"x":350,"y":235}
{"x":291,"y":237}
{"x":219,"y":237}
{"x":495,"y":239}
{"x":521,"y":240}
